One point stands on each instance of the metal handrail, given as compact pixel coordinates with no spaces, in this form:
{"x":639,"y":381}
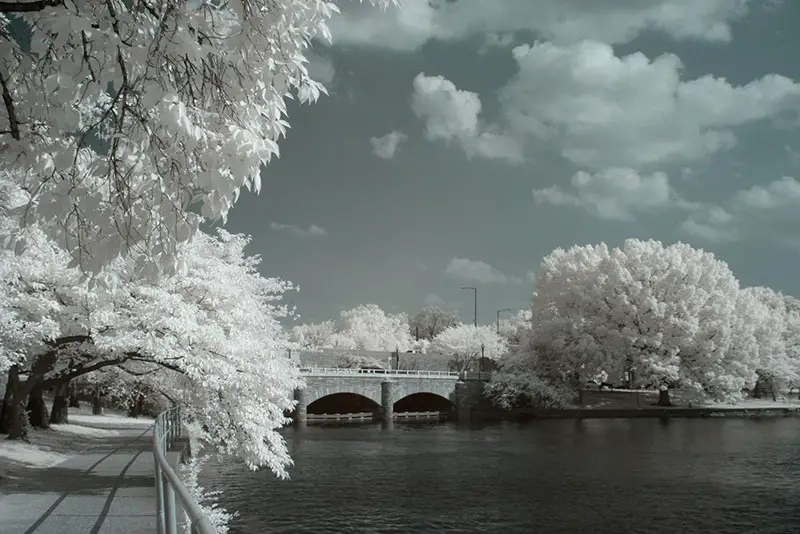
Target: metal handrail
{"x":167,"y":428}
{"x":357,"y":371}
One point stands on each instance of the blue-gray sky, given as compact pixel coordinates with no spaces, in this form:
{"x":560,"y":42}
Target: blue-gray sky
{"x":464,"y":140}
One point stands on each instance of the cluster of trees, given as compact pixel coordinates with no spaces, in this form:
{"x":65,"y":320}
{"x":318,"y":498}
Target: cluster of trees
{"x":123,"y":127}
{"x":662,"y":316}
{"x":207,"y":337}
{"x":432,"y":330}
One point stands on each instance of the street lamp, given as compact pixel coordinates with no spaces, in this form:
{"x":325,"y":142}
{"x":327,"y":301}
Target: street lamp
{"x":498,"y":317}
{"x":475,"y":306}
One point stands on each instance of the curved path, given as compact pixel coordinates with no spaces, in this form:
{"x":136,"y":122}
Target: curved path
{"x":109,"y":488}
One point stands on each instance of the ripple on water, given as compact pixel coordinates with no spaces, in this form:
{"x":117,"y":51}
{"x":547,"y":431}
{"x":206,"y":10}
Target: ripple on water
{"x":599,"y":476}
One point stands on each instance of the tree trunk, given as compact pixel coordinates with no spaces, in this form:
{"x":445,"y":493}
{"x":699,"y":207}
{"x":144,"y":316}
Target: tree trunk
{"x":133,"y":406}
{"x":74,"y":402}
{"x":8,"y":399}
{"x":97,"y":402}
{"x":17,"y":415}
{"x":37,"y":409}
{"x":663,"y":397}
{"x":59,"y":415}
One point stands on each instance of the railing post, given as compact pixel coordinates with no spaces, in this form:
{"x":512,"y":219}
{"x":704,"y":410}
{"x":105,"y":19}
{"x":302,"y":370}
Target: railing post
{"x":169,"y":509}
{"x":159,"y":499}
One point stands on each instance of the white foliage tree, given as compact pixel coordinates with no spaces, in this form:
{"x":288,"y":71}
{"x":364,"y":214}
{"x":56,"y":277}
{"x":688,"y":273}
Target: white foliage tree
{"x":120,"y":116}
{"x":368,"y":327}
{"x":668,"y":314}
{"x":773,"y":327}
{"x":516,"y":328}
{"x":312,"y":336}
{"x":466,"y":343}
{"x":215,"y":326}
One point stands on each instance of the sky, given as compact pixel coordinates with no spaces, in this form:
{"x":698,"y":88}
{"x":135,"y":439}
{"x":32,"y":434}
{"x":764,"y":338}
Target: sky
{"x":463,"y":140}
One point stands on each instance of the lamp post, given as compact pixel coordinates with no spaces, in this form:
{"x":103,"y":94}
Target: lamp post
{"x":498,"y":317}
{"x":475,"y":305}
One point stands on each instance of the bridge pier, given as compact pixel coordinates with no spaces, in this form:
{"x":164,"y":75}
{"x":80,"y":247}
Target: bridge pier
{"x":300,"y":414}
{"x":468,"y":394}
{"x":387,"y":402}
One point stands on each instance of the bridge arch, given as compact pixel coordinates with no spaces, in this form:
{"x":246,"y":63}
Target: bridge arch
{"x":318,"y":389}
{"x":343,"y":403}
{"x":423,"y":402}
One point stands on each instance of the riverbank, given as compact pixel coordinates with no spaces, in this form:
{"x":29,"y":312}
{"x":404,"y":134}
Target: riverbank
{"x":639,"y":404}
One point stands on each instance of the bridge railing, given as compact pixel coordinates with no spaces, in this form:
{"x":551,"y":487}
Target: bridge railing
{"x":166,"y":430}
{"x":328,"y":371}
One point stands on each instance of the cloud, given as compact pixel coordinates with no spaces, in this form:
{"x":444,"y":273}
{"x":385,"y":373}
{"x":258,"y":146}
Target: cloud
{"x":713,"y":224}
{"x":608,"y":111}
{"x":451,"y":115}
{"x":385,"y":147}
{"x":778,"y":194}
{"x":563,"y":21}
{"x":321,"y":68}
{"x":312,"y":231}
{"x":477,"y":271}
{"x":530,"y":276}
{"x":761,"y":210}
{"x":614,"y":194}
{"x":496,"y":40}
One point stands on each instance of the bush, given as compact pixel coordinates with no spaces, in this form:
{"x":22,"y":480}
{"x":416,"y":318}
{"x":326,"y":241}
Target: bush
{"x":525,"y":390}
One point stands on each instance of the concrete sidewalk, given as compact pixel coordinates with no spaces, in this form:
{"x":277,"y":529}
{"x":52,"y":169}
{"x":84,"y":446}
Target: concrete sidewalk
{"x":108,"y":489}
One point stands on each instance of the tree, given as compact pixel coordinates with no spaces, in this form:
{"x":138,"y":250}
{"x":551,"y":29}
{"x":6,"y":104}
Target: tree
{"x":213,"y":330}
{"x":312,"y":336}
{"x":431,"y":321}
{"x":669,"y":315}
{"x":120,"y":116}
{"x":467,"y":343}
{"x":516,"y":328}
{"x":368,"y":327}
{"x":772,"y":326}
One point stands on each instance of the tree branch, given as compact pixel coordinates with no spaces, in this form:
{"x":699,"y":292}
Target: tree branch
{"x":13,"y":121}
{"x":28,"y":7}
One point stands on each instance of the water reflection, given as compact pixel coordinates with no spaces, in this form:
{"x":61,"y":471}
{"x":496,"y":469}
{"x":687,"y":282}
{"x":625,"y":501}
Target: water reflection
{"x":637,"y":475}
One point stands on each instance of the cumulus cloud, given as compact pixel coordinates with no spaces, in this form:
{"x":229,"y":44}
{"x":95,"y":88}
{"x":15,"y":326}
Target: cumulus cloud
{"x":758,"y":211}
{"x":712,"y":224}
{"x":321,"y":68}
{"x":477,"y":271}
{"x":778,"y":194}
{"x":386,"y":147}
{"x":609,"y":111}
{"x":613,"y":194}
{"x":564,"y":21}
{"x":451,"y":115}
{"x":312,"y":231}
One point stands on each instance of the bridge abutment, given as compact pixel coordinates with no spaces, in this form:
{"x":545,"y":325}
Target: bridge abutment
{"x":387,"y":401}
{"x":300,"y":415}
{"x":468,"y":394}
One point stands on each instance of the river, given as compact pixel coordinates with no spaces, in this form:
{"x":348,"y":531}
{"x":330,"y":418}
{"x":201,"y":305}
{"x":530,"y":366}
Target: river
{"x":593,"y":476}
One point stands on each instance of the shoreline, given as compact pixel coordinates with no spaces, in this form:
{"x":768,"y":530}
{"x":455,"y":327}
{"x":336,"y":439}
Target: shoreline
{"x":525,"y":414}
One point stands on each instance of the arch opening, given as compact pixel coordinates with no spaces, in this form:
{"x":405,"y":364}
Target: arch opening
{"x":424,"y":402}
{"x":342,"y":403}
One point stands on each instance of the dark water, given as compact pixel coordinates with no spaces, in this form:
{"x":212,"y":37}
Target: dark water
{"x":595,"y":476}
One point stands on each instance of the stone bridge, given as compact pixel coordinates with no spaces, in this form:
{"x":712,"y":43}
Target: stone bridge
{"x":385,"y":387}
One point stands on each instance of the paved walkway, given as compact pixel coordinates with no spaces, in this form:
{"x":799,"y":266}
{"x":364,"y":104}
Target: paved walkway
{"x":108,"y":489}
